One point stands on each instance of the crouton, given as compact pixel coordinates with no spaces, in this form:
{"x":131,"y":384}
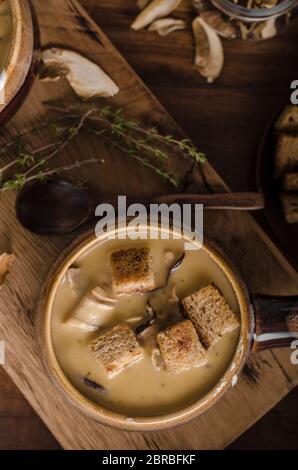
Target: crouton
{"x":180,"y":347}
{"x":289,"y":202}
{"x":286,"y":154}
{"x":290,"y":182}
{"x":132,"y":271}
{"x":292,"y":322}
{"x":210,"y":314}
{"x":116,"y":349}
{"x":288,"y":120}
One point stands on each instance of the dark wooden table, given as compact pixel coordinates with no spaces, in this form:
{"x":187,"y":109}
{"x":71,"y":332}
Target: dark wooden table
{"x":226,"y":120}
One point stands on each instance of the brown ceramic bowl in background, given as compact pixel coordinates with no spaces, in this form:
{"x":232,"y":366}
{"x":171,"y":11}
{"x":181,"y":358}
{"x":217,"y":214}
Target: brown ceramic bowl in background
{"x":266,"y":322}
{"x":21,"y":58}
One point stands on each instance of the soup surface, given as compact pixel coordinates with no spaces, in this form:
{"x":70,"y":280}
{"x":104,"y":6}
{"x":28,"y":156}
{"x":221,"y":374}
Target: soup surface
{"x":141,"y":389}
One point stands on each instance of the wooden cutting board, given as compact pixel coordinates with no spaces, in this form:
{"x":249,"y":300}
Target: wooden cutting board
{"x":267,"y":377}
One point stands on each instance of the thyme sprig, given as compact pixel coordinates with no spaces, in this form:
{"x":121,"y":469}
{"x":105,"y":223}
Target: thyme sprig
{"x":135,"y":156}
{"x":19,"y":180}
{"x":147,"y":146}
{"x":147,"y":139}
{"x":34,"y":164}
{"x":126,"y":128}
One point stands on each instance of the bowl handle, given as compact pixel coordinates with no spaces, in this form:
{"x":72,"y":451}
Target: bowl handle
{"x":276,"y":321}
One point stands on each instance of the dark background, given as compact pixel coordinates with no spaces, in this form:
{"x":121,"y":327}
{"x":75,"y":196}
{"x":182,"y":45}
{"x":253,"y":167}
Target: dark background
{"x":226,"y":120}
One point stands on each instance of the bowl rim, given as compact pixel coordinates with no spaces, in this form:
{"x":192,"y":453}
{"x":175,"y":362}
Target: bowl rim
{"x":21,"y":51}
{"x":83,"y":244}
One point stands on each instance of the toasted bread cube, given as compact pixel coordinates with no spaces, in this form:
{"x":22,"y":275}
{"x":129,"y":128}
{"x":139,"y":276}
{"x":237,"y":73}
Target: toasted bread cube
{"x":117,"y":349}
{"x":180,"y":347}
{"x":210,"y":314}
{"x":288,"y":120}
{"x":286,"y":156}
{"x":292,"y":322}
{"x":290,"y":181}
{"x":132,"y":271}
{"x":289,"y":202}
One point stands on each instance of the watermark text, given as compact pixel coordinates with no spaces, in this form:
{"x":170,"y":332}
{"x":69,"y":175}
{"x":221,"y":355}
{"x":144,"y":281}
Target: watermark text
{"x":155,"y":221}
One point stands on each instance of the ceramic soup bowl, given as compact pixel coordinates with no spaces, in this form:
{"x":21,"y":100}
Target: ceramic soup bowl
{"x":265,"y":322}
{"x":19,"y":41}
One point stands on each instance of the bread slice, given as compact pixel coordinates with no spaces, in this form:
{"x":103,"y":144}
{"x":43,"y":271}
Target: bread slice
{"x":132,"y":271}
{"x":290,"y":182}
{"x":117,"y":349}
{"x":289,"y":203}
{"x":180,"y":347}
{"x":288,"y":120}
{"x":286,"y":154}
{"x":211,"y":315}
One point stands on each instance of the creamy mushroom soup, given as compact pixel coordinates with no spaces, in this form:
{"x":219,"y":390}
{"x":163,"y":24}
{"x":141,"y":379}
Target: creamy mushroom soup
{"x":145,"y":387}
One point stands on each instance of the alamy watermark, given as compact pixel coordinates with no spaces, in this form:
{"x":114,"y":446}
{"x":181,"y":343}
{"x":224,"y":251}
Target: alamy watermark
{"x":2,"y":353}
{"x":294,"y":355}
{"x":2,"y":87}
{"x":156,"y":221}
{"x":294,"y":94}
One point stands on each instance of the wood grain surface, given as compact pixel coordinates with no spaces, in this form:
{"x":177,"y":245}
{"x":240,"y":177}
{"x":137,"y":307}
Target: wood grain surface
{"x":254,"y":84}
{"x":268,"y":376}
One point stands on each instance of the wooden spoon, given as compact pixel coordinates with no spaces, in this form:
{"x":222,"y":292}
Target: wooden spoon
{"x":57,"y":207}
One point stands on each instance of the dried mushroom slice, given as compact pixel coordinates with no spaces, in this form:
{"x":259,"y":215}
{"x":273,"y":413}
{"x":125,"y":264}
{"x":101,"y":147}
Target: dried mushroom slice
{"x":81,"y":325}
{"x":269,"y":29}
{"x":93,"y":310}
{"x":156,"y":9}
{"x":157,"y":360}
{"x":85,"y":77}
{"x":72,"y":277}
{"x":263,"y":30}
{"x":166,"y":26}
{"x":94,"y":385}
{"x":221,"y":26}
{"x":142,"y":3}
{"x":102,"y":296}
{"x":209,"y":54}
{"x":245,"y":29}
{"x":201,"y":5}
{"x":146,"y":324}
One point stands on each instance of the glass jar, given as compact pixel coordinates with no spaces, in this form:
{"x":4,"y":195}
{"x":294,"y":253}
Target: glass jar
{"x":253,"y":19}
